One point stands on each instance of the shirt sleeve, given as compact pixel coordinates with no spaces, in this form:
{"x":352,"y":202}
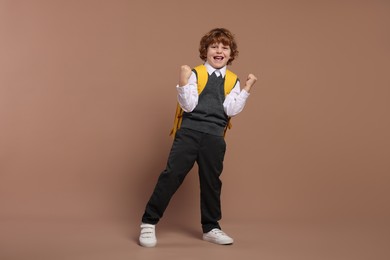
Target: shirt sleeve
{"x":187,"y":95}
{"x":235,"y":101}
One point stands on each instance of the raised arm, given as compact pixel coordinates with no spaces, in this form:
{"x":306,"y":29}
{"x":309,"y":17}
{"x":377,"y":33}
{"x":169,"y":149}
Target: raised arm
{"x":187,"y":91}
{"x":234,"y":102}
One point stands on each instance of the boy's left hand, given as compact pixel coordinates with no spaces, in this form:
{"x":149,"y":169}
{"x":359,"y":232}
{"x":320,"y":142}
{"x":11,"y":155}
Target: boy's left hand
{"x":251,"y":80}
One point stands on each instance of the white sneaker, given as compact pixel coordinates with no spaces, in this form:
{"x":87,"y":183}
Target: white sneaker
{"x":147,"y":238}
{"x":217,"y":236}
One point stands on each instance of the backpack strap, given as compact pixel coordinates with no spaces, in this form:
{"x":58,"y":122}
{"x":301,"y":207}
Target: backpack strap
{"x":177,"y":120}
{"x":202,"y":77}
{"x":230,"y":81}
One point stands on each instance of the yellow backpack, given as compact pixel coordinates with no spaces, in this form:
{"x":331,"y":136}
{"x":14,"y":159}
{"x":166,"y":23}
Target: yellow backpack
{"x":202,"y":75}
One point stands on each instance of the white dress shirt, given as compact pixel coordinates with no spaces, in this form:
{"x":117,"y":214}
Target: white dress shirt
{"x":188,"y":94}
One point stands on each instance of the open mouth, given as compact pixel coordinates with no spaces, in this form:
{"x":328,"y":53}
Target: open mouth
{"x":218,"y":58}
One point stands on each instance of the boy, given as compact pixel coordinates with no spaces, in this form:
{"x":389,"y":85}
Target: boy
{"x":200,"y":136}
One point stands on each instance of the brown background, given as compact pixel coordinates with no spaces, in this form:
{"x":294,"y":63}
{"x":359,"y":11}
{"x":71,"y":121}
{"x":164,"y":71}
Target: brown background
{"x":87,"y":100}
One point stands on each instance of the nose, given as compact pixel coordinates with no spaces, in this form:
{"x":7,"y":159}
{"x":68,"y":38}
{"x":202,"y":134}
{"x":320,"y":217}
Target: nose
{"x":219,"y":49}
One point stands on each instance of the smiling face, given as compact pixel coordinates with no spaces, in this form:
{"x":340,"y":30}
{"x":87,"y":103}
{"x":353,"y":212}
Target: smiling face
{"x":218,"y":55}
{"x":218,"y":47}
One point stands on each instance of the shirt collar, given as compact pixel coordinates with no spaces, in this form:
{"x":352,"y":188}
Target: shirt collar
{"x":210,"y":69}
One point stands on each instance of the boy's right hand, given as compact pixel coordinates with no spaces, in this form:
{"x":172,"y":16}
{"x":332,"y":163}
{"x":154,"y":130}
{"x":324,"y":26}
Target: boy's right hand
{"x":185,"y":74}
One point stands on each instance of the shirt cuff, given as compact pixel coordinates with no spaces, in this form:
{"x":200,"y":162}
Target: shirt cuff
{"x":181,"y":90}
{"x":245,"y":94}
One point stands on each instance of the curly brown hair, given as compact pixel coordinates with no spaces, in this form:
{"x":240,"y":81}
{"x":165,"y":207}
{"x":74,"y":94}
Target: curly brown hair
{"x":218,"y":35}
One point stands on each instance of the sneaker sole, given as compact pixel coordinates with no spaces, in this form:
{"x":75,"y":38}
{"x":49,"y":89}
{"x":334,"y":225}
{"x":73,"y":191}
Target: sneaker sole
{"x":217,"y":242}
{"x":148,"y":244}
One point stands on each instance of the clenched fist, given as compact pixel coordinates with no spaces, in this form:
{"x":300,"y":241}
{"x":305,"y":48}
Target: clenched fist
{"x":185,"y":74}
{"x":250,"y":81}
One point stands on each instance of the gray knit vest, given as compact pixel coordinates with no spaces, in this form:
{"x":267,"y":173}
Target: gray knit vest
{"x":208,"y":116}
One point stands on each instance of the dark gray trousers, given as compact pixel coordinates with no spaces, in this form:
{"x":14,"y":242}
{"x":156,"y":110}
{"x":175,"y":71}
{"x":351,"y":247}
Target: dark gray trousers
{"x":190,"y":146}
